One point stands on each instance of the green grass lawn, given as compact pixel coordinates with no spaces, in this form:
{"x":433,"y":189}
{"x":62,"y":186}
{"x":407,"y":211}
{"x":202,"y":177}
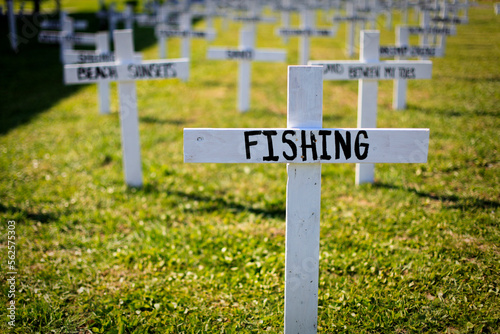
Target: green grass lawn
{"x":200,"y":248}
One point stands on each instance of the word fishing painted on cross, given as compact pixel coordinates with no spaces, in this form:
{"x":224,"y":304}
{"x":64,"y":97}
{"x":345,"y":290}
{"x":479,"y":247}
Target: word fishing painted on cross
{"x":88,"y":73}
{"x":305,"y":145}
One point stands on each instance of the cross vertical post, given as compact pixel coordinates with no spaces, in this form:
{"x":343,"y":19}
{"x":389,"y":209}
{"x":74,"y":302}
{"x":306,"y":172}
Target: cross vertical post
{"x":351,"y":30}
{"x":102,"y":47}
{"x":303,"y":203}
{"x":67,"y":31}
{"x":12,"y":25}
{"x":307,"y":19}
{"x":185,"y":25}
{"x":424,"y":23}
{"x":129,"y":121}
{"x":367,"y":98}
{"x":400,"y":85}
{"x":247,"y":41}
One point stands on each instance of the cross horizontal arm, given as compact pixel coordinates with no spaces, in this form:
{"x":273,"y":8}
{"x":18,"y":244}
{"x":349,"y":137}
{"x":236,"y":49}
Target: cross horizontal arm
{"x":432,"y":30}
{"x":54,"y":37}
{"x":290,"y":32}
{"x":306,"y":145}
{"x":168,"y":33}
{"x":384,"y":70}
{"x":270,"y":55}
{"x":147,"y":70}
{"x":410,"y":51}
{"x":88,"y":56}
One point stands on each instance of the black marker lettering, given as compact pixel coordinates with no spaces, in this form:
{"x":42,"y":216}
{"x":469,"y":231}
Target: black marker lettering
{"x":271,"y":156}
{"x":290,"y":143}
{"x":346,"y":144}
{"x":312,"y":146}
{"x":357,"y":145}
{"x":324,"y":154}
{"x":250,"y":143}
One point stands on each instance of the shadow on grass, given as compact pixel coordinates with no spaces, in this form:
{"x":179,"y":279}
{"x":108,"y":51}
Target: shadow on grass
{"x":35,"y":216}
{"x":451,"y":112}
{"x":465,"y":203}
{"x":32,"y":78}
{"x":209,"y":204}
{"x":153,"y":120}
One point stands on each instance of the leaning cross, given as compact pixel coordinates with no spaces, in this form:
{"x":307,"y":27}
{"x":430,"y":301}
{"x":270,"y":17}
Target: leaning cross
{"x":126,"y":70}
{"x":304,"y":145}
{"x":368,"y":70}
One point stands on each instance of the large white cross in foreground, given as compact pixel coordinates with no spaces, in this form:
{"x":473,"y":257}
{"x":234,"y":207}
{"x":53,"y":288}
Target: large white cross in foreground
{"x":126,"y":70}
{"x":304,"y":145}
{"x":368,"y":70}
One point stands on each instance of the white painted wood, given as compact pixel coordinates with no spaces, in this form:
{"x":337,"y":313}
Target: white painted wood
{"x":252,"y":145}
{"x":129,"y":16}
{"x":103,"y":88}
{"x":107,"y":72}
{"x":303,"y":207}
{"x":57,"y":25}
{"x":129,"y":119}
{"x":264,"y":54}
{"x":185,"y":25}
{"x":400,"y":85}
{"x":66,"y":43}
{"x":185,"y":32}
{"x":12,"y":26}
{"x":126,"y":70}
{"x":55,"y":37}
{"x":450,"y":31}
{"x":285,"y":19}
{"x":245,"y":54}
{"x":351,"y":17}
{"x":247,"y":41}
{"x":303,"y":134}
{"x":367,"y":99}
{"x":368,"y":70}
{"x":111,"y":20}
{"x":401,"y":50}
{"x":306,"y":17}
{"x":382,"y":70}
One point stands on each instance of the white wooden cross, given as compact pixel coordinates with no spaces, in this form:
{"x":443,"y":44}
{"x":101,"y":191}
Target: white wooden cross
{"x":368,"y":70}
{"x":401,"y":51}
{"x":126,"y":70}
{"x":66,"y":38}
{"x":426,"y":29}
{"x":304,"y":145}
{"x":306,"y":30}
{"x":245,"y":54}
{"x":185,"y":32}
{"x":58,"y":24}
{"x":100,"y":55}
{"x":352,"y":18}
